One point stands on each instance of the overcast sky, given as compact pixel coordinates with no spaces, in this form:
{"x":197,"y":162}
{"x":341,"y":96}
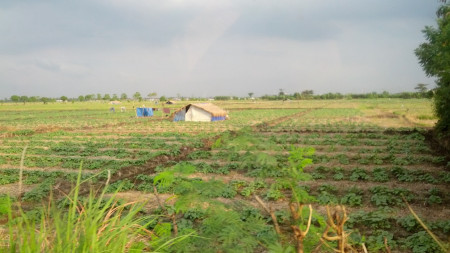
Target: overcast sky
{"x":210,"y":47}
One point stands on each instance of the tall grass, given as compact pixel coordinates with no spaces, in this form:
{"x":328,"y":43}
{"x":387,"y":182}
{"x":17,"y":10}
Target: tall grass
{"x":90,"y":224}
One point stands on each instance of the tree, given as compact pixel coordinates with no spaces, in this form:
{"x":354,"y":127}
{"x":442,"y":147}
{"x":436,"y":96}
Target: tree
{"x":162,"y":99}
{"x":44,"y":100}
{"x":123,"y":96}
{"x":80,"y":98}
{"x":106,"y":97}
{"x":434,"y":57}
{"x":99,"y":96}
{"x":15,"y":98}
{"x":250,"y":94}
{"x":152,"y":94}
{"x":23,"y":99}
{"x":89,"y":97}
{"x":33,"y":99}
{"x":63,"y":98}
{"x":421,"y":88}
{"x":137,"y":96}
{"x":115,"y":97}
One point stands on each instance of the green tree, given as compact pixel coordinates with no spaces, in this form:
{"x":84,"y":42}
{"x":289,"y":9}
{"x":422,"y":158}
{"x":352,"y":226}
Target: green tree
{"x":63,"y":98}
{"x":15,"y":98}
{"x":89,"y":97}
{"x":137,"y":96}
{"x":80,"y":98}
{"x":421,"y":88}
{"x":250,"y":94}
{"x":434,"y":56}
{"x":123,"y":96}
{"x":106,"y":97}
{"x":23,"y":99}
{"x":45,"y":100}
{"x":99,"y":96}
{"x":152,"y":94}
{"x":115,"y":97}
{"x":162,"y":99}
{"x":33,"y":99}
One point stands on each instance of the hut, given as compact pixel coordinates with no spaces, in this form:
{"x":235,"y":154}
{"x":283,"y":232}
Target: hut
{"x":199,"y":112}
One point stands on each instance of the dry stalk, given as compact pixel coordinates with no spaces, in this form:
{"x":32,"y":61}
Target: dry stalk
{"x":271,"y":213}
{"x":388,"y":249}
{"x":364,"y":248}
{"x":435,"y":238}
{"x":299,"y":234}
{"x":336,"y":223}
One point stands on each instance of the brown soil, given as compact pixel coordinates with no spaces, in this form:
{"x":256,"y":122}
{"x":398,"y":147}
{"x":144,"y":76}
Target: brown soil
{"x":47,"y":169}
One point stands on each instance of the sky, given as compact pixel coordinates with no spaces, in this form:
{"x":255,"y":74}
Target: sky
{"x":208,"y":48}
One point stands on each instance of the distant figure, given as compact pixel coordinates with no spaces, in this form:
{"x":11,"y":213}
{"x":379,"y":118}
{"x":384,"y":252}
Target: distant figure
{"x":123,"y":109}
{"x":112,"y":109}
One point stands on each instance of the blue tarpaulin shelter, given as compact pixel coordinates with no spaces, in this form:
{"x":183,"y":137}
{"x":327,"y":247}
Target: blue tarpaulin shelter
{"x":144,"y":112}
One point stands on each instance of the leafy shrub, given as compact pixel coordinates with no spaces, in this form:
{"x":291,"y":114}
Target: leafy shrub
{"x":409,"y":223}
{"x":326,"y":198}
{"x":120,"y":185}
{"x":359,"y":174}
{"x":39,"y":192}
{"x":434,"y":196}
{"x":380,"y":175}
{"x":421,"y":242}
{"x":338,"y":173}
{"x":352,"y":199}
{"x":375,"y":220}
{"x":274,"y":194}
{"x":375,"y":242}
{"x":383,"y":196}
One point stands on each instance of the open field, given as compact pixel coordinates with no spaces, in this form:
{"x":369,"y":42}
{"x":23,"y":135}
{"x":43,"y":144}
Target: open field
{"x":203,"y":177}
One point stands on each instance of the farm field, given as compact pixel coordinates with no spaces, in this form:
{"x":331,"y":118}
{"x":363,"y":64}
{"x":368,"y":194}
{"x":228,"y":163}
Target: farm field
{"x":230,"y":182}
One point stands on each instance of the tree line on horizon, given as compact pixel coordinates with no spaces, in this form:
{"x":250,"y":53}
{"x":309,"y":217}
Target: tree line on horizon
{"x":422,"y":92}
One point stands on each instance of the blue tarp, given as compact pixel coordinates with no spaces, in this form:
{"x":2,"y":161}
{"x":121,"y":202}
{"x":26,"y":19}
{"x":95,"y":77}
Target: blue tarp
{"x":180,"y":116}
{"x":218,"y":118}
{"x":144,"y":112}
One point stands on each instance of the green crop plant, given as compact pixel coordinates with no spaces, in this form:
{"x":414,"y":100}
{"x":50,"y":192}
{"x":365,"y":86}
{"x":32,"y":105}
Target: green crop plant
{"x":402,"y":174}
{"x":338,"y":173}
{"x":92,"y":224}
{"x":409,"y":223}
{"x":381,"y":240}
{"x":421,"y":242}
{"x":351,"y":199}
{"x":434,"y":196}
{"x":359,"y":174}
{"x":380,"y":175}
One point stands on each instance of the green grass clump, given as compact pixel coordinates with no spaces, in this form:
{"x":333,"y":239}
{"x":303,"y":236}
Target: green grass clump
{"x":75,"y":224}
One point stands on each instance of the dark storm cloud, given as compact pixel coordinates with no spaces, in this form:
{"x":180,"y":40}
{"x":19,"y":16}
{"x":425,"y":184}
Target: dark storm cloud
{"x":206,"y":48}
{"x":31,"y":25}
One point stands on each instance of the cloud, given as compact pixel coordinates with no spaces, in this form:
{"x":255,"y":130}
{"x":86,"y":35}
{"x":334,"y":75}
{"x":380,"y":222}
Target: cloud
{"x":207,"y":48}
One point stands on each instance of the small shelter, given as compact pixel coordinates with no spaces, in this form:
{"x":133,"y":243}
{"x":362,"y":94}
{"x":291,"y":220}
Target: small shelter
{"x":144,"y":112}
{"x":200,"y":112}
{"x":115,"y":102}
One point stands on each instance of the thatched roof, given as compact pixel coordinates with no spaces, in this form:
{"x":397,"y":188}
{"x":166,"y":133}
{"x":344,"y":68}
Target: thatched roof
{"x":211,"y":108}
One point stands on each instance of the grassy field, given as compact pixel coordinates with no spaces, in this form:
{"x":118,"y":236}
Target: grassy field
{"x":229,"y":184}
